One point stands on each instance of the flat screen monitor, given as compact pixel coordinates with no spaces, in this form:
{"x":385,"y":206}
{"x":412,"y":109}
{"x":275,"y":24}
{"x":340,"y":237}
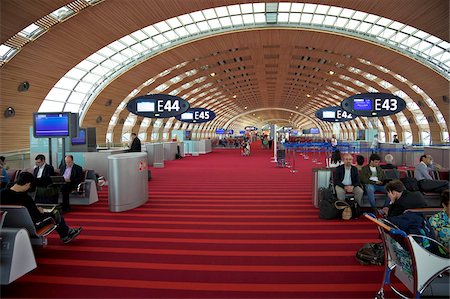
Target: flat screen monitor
{"x":314,"y":131}
{"x":306,"y":131}
{"x":220,"y":131}
{"x":51,"y":125}
{"x":187,"y":116}
{"x":231,"y":132}
{"x":362,"y":104}
{"x":80,"y":139}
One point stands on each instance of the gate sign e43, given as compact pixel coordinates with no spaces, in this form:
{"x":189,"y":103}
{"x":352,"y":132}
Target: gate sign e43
{"x":373,"y":104}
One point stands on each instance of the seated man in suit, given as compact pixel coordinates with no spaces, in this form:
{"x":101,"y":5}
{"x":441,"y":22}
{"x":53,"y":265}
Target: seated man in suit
{"x":42,"y":172}
{"x":72,"y":174}
{"x":424,"y":179}
{"x":135,"y":144}
{"x":372,"y":177}
{"x":18,"y":195}
{"x":346,"y":179}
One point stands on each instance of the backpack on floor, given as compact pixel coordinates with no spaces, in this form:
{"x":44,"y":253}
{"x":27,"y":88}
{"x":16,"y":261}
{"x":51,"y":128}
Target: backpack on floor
{"x":371,"y":254}
{"x":327,"y":210}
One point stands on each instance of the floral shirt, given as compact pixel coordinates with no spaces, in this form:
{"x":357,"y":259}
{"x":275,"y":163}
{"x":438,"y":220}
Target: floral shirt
{"x":440,"y":223}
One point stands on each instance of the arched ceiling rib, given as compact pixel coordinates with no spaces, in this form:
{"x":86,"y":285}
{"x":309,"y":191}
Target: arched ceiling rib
{"x":280,"y":67}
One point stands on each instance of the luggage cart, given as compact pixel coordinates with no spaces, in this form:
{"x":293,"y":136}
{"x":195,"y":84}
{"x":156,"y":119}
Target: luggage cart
{"x":281,"y":158}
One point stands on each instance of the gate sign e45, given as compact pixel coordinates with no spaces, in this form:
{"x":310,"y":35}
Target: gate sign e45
{"x":196,"y":115}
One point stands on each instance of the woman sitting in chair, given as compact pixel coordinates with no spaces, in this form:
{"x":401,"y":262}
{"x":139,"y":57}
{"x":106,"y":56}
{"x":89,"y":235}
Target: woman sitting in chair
{"x":440,"y":221}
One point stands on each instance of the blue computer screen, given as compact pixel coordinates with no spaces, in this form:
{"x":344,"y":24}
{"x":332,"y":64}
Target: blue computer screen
{"x":362,"y":104}
{"x":81,"y":138}
{"x":51,"y":125}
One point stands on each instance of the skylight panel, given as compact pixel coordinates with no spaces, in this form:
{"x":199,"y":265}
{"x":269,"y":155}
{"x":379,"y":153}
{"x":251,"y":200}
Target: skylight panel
{"x":352,"y":24}
{"x":149,"y":43}
{"x":92,"y":78}
{"x":221,"y":11}
{"x":96,"y":58}
{"x":226,"y":22}
{"x":58,"y":94}
{"x":83,"y":87}
{"x":192,"y":29}
{"x":248,"y":19}
{"x":139,"y":35}
{"x":182,"y":32}
{"x":197,"y":16}
{"x":294,"y":17}
{"x":51,"y":106}
{"x":236,"y":20}
{"x":422,"y":46}
{"x":128,"y":40}
{"x":318,"y":19}
{"x":110,"y":63}
{"x":306,"y":18}
{"x":69,"y":107}
{"x":347,"y":13}
{"x":399,"y":37}
{"x":259,"y":7}
{"x":322,"y":9}
{"x":185,"y":19}
{"x":409,"y":30}
{"x":171,"y":35}
{"x":260,"y":18}
{"x":309,"y":8}
{"x":284,"y":7}
{"x":106,"y":51}
{"x":422,"y":35}
{"x":329,"y":20}
{"x":66,"y":83}
{"x":234,"y":9}
{"x":30,"y":30}
{"x":359,"y":15}
{"x":4,"y":50}
{"x":76,"y":97}
{"x":283,"y":17}
{"x":376,"y":30}
{"x":62,"y":13}
{"x":384,"y":22}
{"x":75,"y":73}
{"x":341,"y":22}
{"x":388,"y":33}
{"x":160,"y":39}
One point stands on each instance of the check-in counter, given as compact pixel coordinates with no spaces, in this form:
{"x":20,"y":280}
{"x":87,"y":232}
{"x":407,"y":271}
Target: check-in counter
{"x":98,"y":161}
{"x":395,"y":149}
{"x":204,"y":146}
{"x":128,"y":181}
{"x":191,"y":147}
{"x":155,"y":154}
{"x":440,"y":154}
{"x":181,"y":146}
{"x":170,"y":150}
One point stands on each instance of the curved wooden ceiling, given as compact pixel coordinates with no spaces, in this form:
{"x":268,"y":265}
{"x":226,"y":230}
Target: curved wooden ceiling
{"x":281,"y":74}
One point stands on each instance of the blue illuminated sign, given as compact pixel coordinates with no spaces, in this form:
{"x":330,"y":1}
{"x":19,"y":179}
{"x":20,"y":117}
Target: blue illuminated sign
{"x":334,"y":114}
{"x":373,"y":104}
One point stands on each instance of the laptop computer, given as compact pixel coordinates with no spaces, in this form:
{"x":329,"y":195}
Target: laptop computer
{"x":57,"y":180}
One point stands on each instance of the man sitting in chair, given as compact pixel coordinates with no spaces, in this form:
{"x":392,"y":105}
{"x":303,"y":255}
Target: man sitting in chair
{"x":424,"y":179}
{"x":346,"y":180}
{"x":42,"y":172}
{"x":72,"y":173}
{"x":18,"y":195}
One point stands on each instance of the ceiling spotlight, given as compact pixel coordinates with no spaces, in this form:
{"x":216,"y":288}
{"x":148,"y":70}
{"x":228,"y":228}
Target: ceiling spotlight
{"x":212,"y":74}
{"x":331,"y":72}
{"x":235,"y":96}
{"x":245,"y":107}
{"x":308,"y":96}
{"x":296,"y":107}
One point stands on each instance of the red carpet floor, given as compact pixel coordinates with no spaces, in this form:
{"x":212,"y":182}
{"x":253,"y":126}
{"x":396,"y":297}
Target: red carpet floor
{"x":215,"y":226}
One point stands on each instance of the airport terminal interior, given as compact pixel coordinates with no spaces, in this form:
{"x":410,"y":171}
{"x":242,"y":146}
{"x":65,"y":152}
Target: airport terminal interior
{"x":206,"y":135}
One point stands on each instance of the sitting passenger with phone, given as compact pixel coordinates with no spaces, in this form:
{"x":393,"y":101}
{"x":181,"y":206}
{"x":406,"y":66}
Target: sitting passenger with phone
{"x":18,"y":195}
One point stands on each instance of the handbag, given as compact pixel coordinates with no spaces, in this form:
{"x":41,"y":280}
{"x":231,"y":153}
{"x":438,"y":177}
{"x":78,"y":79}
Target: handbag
{"x":347,"y":210}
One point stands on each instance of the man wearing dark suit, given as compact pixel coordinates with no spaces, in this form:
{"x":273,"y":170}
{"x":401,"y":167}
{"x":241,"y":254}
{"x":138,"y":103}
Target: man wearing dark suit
{"x":72,"y":174}
{"x":45,"y":193}
{"x":346,"y":180}
{"x":42,"y":171}
{"x":136,"y":144}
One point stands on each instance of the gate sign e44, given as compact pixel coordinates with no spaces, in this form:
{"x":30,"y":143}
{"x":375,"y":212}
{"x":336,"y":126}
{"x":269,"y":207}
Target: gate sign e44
{"x":374,"y":104}
{"x":334,"y":114}
{"x":157,"y":106}
{"x":196,"y":115}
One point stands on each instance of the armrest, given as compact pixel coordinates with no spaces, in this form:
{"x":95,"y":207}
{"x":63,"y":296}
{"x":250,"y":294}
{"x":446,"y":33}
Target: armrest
{"x":442,"y":249}
{"x":45,"y":227}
